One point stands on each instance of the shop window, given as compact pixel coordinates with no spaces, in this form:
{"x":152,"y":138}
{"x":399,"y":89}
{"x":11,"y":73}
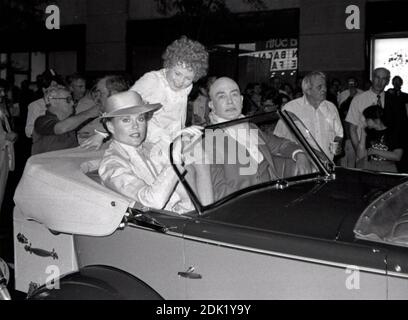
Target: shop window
{"x":28,"y":65}
{"x":38,"y":64}
{"x":391,"y":53}
{"x":257,"y":61}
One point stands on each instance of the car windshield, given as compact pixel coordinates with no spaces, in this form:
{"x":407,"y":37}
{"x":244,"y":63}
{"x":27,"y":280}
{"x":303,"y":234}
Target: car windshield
{"x":386,"y":219}
{"x":234,"y":157}
{"x":303,"y":132}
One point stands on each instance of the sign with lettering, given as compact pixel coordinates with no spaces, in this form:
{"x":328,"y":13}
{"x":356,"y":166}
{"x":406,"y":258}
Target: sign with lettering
{"x":282,"y":52}
{"x":284,"y":59}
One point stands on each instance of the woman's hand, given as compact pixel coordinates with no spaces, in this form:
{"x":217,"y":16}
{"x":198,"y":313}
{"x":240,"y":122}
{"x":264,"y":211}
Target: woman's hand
{"x":183,"y":139}
{"x":192,"y":131}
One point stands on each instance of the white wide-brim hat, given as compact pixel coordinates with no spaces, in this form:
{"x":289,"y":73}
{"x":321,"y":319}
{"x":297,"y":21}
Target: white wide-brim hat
{"x":127,"y":103}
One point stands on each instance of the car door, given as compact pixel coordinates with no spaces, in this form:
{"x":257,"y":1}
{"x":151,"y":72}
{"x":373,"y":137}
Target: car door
{"x":149,"y":247}
{"x":397,"y":273}
{"x":231,"y":262}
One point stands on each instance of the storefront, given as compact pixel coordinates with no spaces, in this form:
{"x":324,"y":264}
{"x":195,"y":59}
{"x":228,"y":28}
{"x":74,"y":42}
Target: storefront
{"x":25,"y":55}
{"x":235,"y":51}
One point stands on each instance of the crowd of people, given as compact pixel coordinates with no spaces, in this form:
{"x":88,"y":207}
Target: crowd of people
{"x":355,"y":128}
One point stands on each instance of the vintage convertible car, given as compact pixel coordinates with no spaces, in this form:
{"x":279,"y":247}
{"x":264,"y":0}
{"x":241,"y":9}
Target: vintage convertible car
{"x":329,"y":233}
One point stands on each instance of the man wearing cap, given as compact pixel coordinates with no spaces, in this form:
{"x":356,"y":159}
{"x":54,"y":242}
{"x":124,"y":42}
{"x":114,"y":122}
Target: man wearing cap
{"x":137,"y":168}
{"x":56,"y":129}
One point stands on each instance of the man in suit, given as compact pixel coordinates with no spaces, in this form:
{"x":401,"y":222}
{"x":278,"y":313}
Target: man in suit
{"x":249,"y":157}
{"x":395,"y":116}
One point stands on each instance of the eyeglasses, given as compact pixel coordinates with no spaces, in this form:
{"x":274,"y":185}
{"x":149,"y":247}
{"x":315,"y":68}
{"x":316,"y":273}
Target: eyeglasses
{"x":67,"y":99}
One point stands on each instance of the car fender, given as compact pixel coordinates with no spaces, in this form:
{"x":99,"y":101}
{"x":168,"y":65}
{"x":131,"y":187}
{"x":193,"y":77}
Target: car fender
{"x":96,"y":282}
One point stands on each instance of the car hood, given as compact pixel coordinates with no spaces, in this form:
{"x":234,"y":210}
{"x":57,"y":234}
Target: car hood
{"x":320,"y":209}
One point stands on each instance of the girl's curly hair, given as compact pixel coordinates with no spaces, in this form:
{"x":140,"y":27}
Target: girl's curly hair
{"x":188,"y":52}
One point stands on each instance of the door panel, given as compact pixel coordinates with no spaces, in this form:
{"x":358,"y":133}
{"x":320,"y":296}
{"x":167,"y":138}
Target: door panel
{"x":228,"y":273}
{"x":152,"y":256}
{"x":236,"y":262}
{"x":397,"y":271}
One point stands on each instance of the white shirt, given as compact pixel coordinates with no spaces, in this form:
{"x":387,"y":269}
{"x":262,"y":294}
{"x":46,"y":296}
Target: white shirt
{"x":359,"y":103}
{"x":85,"y":103}
{"x":171,"y":118}
{"x":34,"y":110}
{"x":323,"y":123}
{"x":88,"y":130}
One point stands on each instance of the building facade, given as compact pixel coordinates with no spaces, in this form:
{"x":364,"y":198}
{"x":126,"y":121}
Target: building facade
{"x":129,"y":36}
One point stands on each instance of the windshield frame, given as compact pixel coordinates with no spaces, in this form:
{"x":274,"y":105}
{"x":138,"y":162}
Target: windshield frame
{"x":328,"y":170}
{"x":321,"y":174}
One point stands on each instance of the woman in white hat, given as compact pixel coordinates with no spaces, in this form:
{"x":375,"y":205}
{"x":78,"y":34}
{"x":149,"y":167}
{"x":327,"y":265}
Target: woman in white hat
{"x":133,"y":166}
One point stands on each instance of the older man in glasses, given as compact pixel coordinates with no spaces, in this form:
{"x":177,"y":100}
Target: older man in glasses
{"x":56,"y":129}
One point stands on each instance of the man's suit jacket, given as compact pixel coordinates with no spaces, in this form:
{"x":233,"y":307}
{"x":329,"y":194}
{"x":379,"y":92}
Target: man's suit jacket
{"x":395,"y":118}
{"x":230,"y":176}
{"x":395,"y":115}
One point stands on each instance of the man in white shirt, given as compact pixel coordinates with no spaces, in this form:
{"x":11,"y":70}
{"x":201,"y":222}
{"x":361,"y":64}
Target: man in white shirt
{"x":319,"y":115}
{"x":394,"y":110}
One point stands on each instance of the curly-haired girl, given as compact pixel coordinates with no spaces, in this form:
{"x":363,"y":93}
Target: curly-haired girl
{"x":184,"y":62}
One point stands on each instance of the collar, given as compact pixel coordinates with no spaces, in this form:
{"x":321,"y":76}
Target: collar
{"x":381,"y":94}
{"x":217,"y":119}
{"x":306,"y":102}
{"x":130,"y":150}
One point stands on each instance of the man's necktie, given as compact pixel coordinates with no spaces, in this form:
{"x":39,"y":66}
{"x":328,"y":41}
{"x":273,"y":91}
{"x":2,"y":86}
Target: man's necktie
{"x":379,"y":100}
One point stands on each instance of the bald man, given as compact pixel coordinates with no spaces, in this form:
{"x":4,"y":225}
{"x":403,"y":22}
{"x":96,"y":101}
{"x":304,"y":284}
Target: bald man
{"x":272,"y":158}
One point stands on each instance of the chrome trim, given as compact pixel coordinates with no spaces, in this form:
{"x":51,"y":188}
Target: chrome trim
{"x":271,"y":253}
{"x":169,"y":232}
{"x":397,"y":274}
{"x":284,"y":255}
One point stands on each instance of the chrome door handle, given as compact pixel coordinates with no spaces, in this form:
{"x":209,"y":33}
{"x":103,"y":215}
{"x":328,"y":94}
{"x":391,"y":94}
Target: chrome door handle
{"x":37,"y":251}
{"x":190,"y":274}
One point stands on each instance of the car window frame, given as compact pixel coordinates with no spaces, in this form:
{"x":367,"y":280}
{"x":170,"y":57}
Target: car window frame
{"x":322,"y":172}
